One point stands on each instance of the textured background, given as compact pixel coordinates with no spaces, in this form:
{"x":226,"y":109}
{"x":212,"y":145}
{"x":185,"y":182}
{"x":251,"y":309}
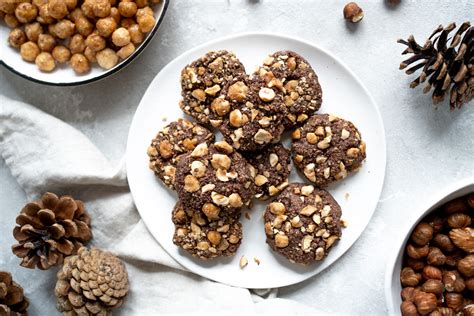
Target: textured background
{"x":428,"y":148}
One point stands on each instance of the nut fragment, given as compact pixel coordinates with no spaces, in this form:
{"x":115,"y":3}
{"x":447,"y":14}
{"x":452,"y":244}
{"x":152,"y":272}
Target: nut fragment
{"x":345,"y":134}
{"x":214,"y":237}
{"x":224,"y":146}
{"x":262,"y":137}
{"x":266,"y":94}
{"x":260,"y":180}
{"x":238,"y":91}
{"x":191,"y":183}
{"x":273,"y":158}
{"x":199,"y":94}
{"x":307,"y":190}
{"x":220,"y":161}
{"x":319,"y":254}
{"x":276,"y":208}
{"x":308,"y":210}
{"x":211,"y":211}
{"x":235,"y":200}
{"x":219,"y":199}
{"x":306,"y":242}
{"x":220,"y":106}
{"x":200,"y":150}
{"x":243,"y":262}
{"x":353,"y":12}
{"x":281,"y":241}
{"x":213,"y":90}
{"x":198,"y":169}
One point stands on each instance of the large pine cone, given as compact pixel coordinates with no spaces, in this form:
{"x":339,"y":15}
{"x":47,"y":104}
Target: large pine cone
{"x":447,"y":67}
{"x":49,"y":230}
{"x":12,"y":300}
{"x":93,"y":282}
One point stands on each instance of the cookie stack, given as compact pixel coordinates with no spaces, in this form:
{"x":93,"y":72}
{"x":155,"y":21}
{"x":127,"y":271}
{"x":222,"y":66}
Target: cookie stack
{"x":214,"y":180}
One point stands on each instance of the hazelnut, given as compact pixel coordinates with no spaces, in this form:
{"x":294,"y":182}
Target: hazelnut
{"x":352,"y":12}
{"x":220,"y":161}
{"x":408,"y":277}
{"x":430,"y":272}
{"x":121,"y":37}
{"x":237,"y":119}
{"x":200,"y":150}
{"x":425,"y":302}
{"x":466,"y":265}
{"x":262,"y":137}
{"x":453,"y":281}
{"x":191,"y":183}
{"x":308,"y":210}
{"x":61,"y":54}
{"x":126,"y":51}
{"x":29,"y":51}
{"x":458,"y":205}
{"x":79,"y":63}
{"x":276,"y":208}
{"x":214,"y":237}
{"x":435,"y":257}
{"x":260,"y":180}
{"x":199,"y":94}
{"x":422,"y":234}
{"x":16,"y":38}
{"x":238,"y":91}
{"x":211,"y":211}
{"x":407,"y":308}
{"x":219,"y":199}
{"x":220,"y":106}
{"x":146,"y":22}
{"x":45,"y":62}
{"x":433,"y":286}
{"x":266,"y":94}
{"x":454,"y":301}
{"x":281,"y":241}
{"x":235,"y":200}
{"x":224,"y":146}
{"x":408,"y":293}
{"x":443,"y":242}
{"x":417,"y":252}
{"x":470,"y":200}
{"x":469,"y":283}
{"x":443,"y":311}
{"x":243,"y":262}
{"x":463,"y":238}
{"x":459,"y":220}
{"x":415,"y":264}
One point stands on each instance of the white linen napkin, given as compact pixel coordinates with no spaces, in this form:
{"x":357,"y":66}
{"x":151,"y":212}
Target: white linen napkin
{"x":46,"y":154}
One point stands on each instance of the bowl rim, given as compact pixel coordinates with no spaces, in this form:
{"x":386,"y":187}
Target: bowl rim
{"x":105,"y":74}
{"x":426,"y":206}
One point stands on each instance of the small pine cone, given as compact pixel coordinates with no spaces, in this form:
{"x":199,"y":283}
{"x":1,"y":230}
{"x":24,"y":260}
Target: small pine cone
{"x":448,"y":68}
{"x":93,"y":282}
{"x":12,"y":300}
{"x":49,"y":230}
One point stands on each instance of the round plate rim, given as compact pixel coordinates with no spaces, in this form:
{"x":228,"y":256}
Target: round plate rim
{"x":383,"y":150}
{"x":105,"y":74}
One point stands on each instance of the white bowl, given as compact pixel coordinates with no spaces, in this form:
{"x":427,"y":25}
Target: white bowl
{"x":392,"y":275}
{"x":63,"y":75}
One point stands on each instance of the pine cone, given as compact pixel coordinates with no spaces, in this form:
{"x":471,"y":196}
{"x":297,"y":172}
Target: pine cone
{"x":93,"y":282}
{"x":444,"y":66}
{"x":49,"y":230}
{"x":12,"y":300}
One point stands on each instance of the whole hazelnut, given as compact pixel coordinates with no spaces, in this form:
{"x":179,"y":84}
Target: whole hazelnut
{"x":468,"y":310}
{"x":470,"y":283}
{"x":422,"y":234}
{"x":435,"y":257}
{"x":417,"y":252}
{"x":459,"y":220}
{"x":430,"y":272}
{"x":425,"y":302}
{"x":415,"y":264}
{"x":433,"y":286}
{"x":437,"y":222}
{"x":470,"y":200}
{"x":466,"y":265}
{"x":408,"y":277}
{"x":453,"y":258}
{"x":407,"y":308}
{"x":463,"y":238}
{"x":445,"y":311}
{"x":352,"y":12}
{"x":443,"y":242}
{"x":453,"y":282}
{"x":454,"y":301}
{"x":408,"y":293}
{"x":455,"y":206}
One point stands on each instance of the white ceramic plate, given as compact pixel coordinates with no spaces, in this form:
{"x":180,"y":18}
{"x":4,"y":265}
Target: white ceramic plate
{"x":392,"y":275}
{"x":343,"y":95}
{"x":63,"y":75}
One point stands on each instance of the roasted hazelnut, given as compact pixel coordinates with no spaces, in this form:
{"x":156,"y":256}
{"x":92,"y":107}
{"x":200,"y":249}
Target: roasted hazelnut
{"x":127,"y":8}
{"x":70,"y":4}
{"x":76,"y":14}
{"x":126,"y":51}
{"x":456,"y":206}
{"x":425,"y":302}
{"x":415,"y":264}
{"x":101,"y":8}
{"x":408,"y":293}
{"x":417,"y":252}
{"x":107,"y":58}
{"x":106,"y":26}
{"x":44,"y":15}
{"x":121,"y":37}
{"x":433,"y":286}
{"x":90,"y":55}
{"x":127,"y":22}
{"x":352,"y":12}
{"x":64,"y":29}
{"x":46,"y":42}
{"x":463,"y":238}
{"x":468,"y":310}
{"x":11,"y":21}
{"x":407,"y":308}
{"x":33,"y":30}
{"x":144,"y":11}
{"x":79,"y":63}
{"x":443,"y":242}
{"x":470,"y":200}
{"x":136,"y":35}
{"x":454,"y":301}
{"x":29,"y":51}
{"x":141,"y":3}
{"x":466,"y":266}
{"x":146,"y":22}
{"x":453,"y":281}
{"x":95,"y":42}
{"x":84,"y":26}
{"x":430,"y":272}
{"x":422,"y":234}
{"x":470,"y":283}
{"x":444,"y":311}
{"x":16,"y":38}
{"x":436,"y":222}
{"x":45,"y":62}
{"x":77,"y":44}
{"x":408,"y":277}
{"x":115,"y":14}
{"x":26,"y":12}
{"x":453,"y":258}
{"x":435,"y":257}
{"x":57,"y":9}
{"x":61,"y":54}
{"x":459,"y":220}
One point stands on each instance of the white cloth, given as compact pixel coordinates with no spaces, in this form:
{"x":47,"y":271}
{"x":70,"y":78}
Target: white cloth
{"x":45,"y":154}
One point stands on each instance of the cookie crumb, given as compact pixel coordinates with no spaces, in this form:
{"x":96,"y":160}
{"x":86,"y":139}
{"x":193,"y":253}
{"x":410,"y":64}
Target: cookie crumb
{"x":344,"y":223}
{"x":247,"y":215}
{"x":256,"y":261}
{"x":243,"y":262}
{"x":164,"y":118}
{"x":347,"y":195}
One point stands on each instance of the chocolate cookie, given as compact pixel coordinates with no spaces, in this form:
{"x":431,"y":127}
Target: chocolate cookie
{"x":203,"y":80}
{"x":272,"y":169}
{"x":303,"y":223}
{"x":173,"y":140}
{"x":255,"y":119}
{"x":214,"y":179}
{"x":297,"y":82}
{"x":326,"y":148}
{"x":204,"y":238}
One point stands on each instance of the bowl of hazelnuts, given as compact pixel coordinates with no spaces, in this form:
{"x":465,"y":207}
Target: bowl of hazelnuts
{"x":432,"y":271}
{"x":72,"y":42}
